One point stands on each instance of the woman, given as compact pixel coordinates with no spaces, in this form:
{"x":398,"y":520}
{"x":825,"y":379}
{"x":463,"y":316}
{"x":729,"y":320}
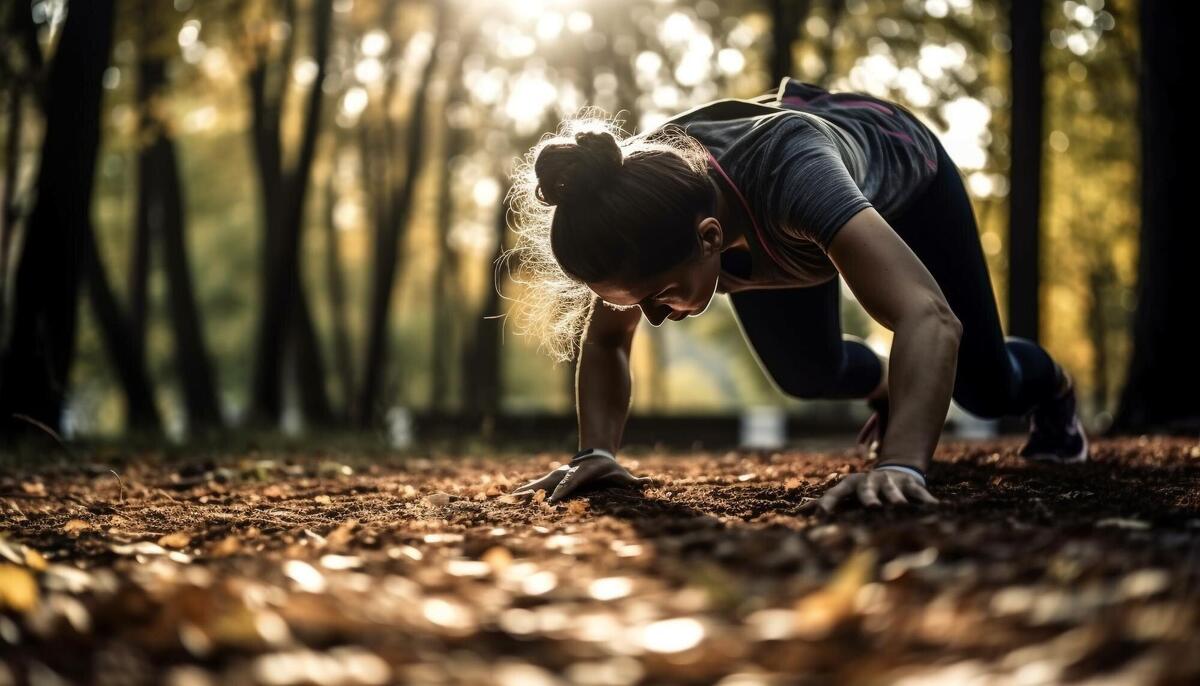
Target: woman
{"x":769,"y":200}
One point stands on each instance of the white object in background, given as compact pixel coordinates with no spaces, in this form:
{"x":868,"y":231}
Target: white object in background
{"x":400,"y":427}
{"x":968,"y":425}
{"x":763,"y":426}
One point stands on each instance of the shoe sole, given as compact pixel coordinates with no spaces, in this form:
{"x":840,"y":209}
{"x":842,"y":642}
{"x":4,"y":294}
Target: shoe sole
{"x":1077,"y":458}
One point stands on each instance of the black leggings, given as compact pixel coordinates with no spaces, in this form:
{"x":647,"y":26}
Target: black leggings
{"x":807,"y":356}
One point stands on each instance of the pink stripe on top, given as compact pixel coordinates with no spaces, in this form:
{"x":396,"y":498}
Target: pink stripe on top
{"x":761,"y":238}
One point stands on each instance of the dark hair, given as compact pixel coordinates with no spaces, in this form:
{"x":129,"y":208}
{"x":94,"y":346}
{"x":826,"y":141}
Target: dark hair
{"x":619,"y":216}
{"x":590,"y":204}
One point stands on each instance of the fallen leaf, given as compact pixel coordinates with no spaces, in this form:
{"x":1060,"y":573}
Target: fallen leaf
{"x":176,"y":540}
{"x":498,"y":558}
{"x":10,"y":552}
{"x":18,"y":589}
{"x":819,"y":612}
{"x":34,"y":560}
{"x":439,"y":499}
{"x":139,"y":548}
{"x":229,"y":545}
{"x":74,"y":526}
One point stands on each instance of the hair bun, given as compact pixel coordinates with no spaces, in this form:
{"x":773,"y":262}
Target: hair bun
{"x":566,"y":169}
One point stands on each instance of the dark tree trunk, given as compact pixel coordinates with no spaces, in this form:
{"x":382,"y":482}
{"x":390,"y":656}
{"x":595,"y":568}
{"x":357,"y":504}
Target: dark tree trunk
{"x":445,"y":296}
{"x":1025,"y":200}
{"x":1164,"y":369}
{"x":482,"y":383}
{"x":151,"y":77}
{"x":1099,"y":276}
{"x":388,"y":243}
{"x":161,"y":217}
{"x":117,"y":334}
{"x":828,"y":47}
{"x":196,"y":374}
{"x":36,"y":359}
{"x":284,"y":309}
{"x":337,"y":298}
{"x":786,"y":16}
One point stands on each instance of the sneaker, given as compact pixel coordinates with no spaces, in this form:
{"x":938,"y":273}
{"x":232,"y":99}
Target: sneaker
{"x":870,"y":437}
{"x":1055,"y":432}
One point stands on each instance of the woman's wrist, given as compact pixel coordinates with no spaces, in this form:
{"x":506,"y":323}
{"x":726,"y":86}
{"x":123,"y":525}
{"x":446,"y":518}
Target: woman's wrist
{"x":912,"y":471}
{"x":585,"y":453}
{"x":918,"y":462}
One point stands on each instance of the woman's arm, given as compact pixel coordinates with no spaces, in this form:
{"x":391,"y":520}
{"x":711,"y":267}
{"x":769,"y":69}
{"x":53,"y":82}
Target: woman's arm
{"x":603,"y":385}
{"x":896,"y":289}
{"x":602,"y":390}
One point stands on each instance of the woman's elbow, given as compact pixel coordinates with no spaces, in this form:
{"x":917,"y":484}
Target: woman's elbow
{"x":940,"y":311}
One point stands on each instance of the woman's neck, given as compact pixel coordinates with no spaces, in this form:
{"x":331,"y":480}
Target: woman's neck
{"x":732,"y":236}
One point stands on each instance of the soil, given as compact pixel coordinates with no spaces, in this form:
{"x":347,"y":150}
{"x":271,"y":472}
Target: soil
{"x":326,"y":568}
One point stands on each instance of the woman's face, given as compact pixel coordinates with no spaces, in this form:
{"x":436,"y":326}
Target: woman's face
{"x":682,"y":291}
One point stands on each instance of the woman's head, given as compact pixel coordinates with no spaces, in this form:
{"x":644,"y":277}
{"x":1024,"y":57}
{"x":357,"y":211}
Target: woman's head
{"x":628,"y":219}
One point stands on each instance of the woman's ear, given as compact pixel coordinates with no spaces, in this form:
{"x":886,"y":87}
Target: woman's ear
{"x":711,"y":236}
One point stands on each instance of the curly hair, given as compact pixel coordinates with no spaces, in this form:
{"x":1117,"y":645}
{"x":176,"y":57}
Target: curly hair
{"x":591,"y":204}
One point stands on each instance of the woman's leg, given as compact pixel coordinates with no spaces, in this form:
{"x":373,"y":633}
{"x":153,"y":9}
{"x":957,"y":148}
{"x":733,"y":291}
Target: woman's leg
{"x":997,"y":376}
{"x":796,"y":334}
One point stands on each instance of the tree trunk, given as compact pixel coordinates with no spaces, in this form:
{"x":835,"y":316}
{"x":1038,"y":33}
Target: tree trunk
{"x":786,"y":16}
{"x":1099,"y":276}
{"x":389,"y":237}
{"x":284,"y":194}
{"x":336,"y":283}
{"x":1025,"y":175}
{"x":117,"y":334}
{"x":1164,"y":369}
{"x":828,"y":47}
{"x":482,"y":383}
{"x":196,"y":375}
{"x":445,"y":296}
{"x":36,"y":360}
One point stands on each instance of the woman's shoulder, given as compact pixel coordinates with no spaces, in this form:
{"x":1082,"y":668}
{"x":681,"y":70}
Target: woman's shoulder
{"x":730,"y":124}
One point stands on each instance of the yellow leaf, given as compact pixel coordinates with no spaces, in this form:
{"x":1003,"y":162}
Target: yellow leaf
{"x":176,"y":540}
{"x":230,"y":545}
{"x":820,"y":612}
{"x":498,"y":558}
{"x":18,"y":589}
{"x":34,"y":560}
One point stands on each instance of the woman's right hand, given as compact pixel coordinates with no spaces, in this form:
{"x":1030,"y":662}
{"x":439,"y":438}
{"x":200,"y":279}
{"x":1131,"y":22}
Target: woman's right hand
{"x":585,"y":469}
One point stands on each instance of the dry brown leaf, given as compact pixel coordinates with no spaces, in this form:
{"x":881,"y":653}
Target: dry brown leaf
{"x":341,"y":535}
{"x":34,"y":560}
{"x":74,"y":526}
{"x":18,"y":589}
{"x":176,"y":541}
{"x":819,"y":612}
{"x":498,"y":558}
{"x":229,"y":545}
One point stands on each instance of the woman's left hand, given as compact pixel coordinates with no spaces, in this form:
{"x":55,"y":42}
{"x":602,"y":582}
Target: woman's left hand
{"x":874,"y":488}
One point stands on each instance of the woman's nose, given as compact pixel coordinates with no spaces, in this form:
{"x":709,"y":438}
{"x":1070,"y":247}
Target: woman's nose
{"x":656,"y":315}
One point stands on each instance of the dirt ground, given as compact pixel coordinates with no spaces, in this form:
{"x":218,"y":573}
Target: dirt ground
{"x":284,"y":568}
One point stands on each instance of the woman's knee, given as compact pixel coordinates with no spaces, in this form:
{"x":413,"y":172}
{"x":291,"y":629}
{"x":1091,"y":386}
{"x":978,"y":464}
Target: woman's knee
{"x":984,"y":405}
{"x":808,"y":383}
